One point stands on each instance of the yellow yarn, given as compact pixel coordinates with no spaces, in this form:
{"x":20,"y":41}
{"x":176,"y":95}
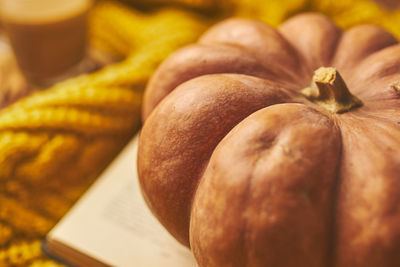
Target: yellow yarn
{"x":345,"y":13}
{"x":19,"y":254}
{"x":198,"y":4}
{"x":53,"y":143}
{"x":104,"y":104}
{"x":135,"y":31}
{"x":273,"y":12}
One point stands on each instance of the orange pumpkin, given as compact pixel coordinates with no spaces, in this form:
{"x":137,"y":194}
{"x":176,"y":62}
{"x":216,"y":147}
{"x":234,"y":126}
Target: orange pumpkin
{"x":254,"y":155}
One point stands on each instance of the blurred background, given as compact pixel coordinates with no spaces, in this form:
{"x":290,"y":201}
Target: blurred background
{"x":72,"y":75}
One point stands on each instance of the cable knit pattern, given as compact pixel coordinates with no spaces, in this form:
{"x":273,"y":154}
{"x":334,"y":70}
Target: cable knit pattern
{"x":55,"y":142}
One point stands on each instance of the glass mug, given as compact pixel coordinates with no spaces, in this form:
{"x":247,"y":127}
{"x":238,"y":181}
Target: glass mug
{"x":48,"y":37}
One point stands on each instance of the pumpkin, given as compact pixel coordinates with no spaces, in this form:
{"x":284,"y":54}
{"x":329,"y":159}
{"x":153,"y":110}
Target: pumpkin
{"x":265,"y":147}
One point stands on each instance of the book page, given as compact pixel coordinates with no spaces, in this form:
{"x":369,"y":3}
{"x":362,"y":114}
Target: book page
{"x":112,"y":224}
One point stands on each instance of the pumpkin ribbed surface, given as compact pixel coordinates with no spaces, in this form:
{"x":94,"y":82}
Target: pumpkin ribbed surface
{"x":278,"y":147}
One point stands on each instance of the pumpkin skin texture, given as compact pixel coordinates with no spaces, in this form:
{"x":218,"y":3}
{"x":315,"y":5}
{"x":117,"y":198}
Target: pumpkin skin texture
{"x":246,"y":167}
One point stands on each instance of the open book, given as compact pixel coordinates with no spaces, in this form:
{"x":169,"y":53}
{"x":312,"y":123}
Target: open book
{"x":111,"y":225}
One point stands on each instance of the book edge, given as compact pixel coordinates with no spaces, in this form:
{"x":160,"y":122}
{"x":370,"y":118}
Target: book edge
{"x":65,"y":254}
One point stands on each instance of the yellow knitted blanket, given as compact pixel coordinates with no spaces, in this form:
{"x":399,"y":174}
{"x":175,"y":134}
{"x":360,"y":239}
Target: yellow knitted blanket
{"x":55,"y":142}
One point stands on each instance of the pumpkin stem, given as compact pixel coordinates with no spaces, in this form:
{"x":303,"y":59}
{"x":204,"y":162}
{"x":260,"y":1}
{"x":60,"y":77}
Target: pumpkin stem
{"x":329,"y":91}
{"x":396,"y":87}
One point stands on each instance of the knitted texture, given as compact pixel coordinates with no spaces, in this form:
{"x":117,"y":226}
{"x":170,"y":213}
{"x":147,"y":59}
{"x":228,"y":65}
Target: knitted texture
{"x":55,"y":142}
{"x":345,"y":13}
